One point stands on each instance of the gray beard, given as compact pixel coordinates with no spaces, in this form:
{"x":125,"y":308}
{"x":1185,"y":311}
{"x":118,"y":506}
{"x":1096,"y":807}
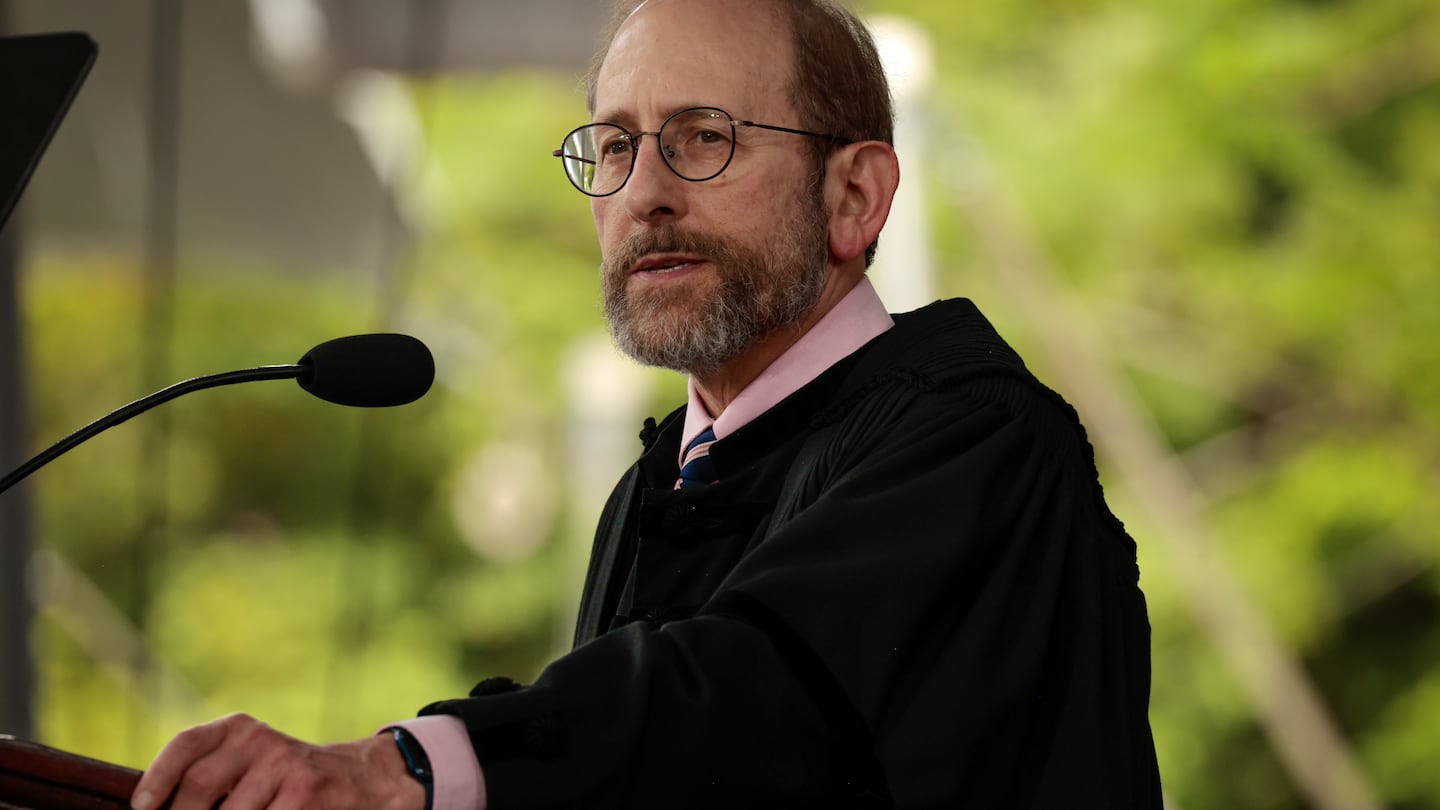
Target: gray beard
{"x":760,"y":290}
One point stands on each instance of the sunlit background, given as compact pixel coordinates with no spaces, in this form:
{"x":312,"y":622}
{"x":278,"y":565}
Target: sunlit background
{"x":1213,"y":226}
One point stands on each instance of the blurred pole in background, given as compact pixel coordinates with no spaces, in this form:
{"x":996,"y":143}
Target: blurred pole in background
{"x":16,"y":675}
{"x":162,"y":133}
{"x":904,"y":272}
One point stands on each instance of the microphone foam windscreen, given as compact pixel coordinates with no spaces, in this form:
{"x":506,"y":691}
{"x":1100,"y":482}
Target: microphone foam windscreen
{"x":368,"y":371}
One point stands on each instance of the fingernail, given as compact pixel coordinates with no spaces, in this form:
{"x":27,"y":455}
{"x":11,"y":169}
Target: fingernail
{"x":142,"y":801}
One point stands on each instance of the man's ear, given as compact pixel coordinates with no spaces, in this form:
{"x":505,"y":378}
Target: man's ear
{"x":860,"y":182}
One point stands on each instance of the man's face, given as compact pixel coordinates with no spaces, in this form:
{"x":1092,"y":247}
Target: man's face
{"x":696,"y":273}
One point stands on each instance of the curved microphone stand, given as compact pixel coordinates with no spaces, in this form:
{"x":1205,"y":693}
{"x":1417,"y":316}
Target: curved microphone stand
{"x":144,"y":404}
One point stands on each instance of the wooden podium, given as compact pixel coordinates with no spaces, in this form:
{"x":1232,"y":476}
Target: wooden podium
{"x":35,"y":777}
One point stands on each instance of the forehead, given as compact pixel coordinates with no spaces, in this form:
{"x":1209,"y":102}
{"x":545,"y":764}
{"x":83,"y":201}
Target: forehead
{"x":672,"y":54}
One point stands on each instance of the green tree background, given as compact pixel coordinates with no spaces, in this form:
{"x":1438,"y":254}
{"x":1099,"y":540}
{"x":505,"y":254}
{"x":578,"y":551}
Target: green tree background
{"x":1222,"y":217}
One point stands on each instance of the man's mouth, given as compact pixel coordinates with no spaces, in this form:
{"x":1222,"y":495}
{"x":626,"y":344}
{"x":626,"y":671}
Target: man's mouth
{"x":665,"y":264}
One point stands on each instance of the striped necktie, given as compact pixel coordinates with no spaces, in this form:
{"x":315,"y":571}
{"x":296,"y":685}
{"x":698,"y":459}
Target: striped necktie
{"x":698,"y":470}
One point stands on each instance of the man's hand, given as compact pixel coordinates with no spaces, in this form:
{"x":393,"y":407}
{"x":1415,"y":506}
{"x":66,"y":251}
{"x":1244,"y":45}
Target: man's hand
{"x":258,"y":767}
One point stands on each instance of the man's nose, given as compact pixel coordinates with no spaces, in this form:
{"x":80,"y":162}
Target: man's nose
{"x":653,"y":191}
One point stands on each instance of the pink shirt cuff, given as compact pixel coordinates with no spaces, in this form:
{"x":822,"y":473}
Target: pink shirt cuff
{"x":459,"y":782}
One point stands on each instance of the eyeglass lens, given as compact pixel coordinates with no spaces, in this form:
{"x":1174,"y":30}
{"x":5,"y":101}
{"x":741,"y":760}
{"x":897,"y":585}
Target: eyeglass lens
{"x":697,"y":145}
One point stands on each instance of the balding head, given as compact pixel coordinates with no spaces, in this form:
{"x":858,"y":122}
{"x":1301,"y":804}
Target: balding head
{"x":834,"y":76}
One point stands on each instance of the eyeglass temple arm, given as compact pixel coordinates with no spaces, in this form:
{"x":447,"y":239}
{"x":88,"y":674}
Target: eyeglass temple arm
{"x":560,"y":153}
{"x":841,"y":140}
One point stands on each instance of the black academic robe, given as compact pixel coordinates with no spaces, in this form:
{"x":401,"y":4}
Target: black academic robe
{"x":905,"y":590}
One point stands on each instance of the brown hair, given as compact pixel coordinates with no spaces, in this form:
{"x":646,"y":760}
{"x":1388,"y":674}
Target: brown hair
{"x":837,"y":84}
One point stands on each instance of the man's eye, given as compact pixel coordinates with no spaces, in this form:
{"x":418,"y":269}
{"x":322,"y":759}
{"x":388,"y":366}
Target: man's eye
{"x":618,"y":146}
{"x":709,"y":137}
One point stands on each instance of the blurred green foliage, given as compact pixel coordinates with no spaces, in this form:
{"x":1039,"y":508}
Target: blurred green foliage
{"x":1244,"y":195}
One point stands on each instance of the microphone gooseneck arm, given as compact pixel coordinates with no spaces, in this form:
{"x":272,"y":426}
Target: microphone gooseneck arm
{"x":144,"y":404}
{"x":363,"y":371}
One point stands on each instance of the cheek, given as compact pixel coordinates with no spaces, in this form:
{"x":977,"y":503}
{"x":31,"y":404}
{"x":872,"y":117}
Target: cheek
{"x":597,"y":212}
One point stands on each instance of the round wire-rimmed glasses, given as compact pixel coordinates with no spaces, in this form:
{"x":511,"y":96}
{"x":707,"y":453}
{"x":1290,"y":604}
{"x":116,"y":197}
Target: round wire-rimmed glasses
{"x":697,"y":144}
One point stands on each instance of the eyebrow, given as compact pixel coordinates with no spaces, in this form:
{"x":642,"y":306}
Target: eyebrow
{"x":613,"y":118}
{"x":629,"y":121}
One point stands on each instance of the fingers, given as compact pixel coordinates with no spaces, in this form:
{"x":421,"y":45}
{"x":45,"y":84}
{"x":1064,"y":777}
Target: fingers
{"x":160,"y":779}
{"x":204,"y":763}
{"x":257,"y":788}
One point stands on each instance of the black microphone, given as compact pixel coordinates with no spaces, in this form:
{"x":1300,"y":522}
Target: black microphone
{"x":365,"y":371}
{"x":368,"y":371}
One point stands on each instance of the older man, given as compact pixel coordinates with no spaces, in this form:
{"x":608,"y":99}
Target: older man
{"x":867,"y":565}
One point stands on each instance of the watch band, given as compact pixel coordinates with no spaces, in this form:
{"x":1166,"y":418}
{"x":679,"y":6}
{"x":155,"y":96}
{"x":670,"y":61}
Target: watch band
{"x":416,"y":762}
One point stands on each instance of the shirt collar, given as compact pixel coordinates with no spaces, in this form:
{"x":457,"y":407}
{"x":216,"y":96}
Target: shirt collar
{"x":857,"y":319}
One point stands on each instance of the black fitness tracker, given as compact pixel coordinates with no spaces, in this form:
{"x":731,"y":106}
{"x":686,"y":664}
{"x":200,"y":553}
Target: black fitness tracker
{"x":416,"y":762}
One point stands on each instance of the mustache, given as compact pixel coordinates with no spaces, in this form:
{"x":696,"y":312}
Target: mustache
{"x":666,"y":240}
